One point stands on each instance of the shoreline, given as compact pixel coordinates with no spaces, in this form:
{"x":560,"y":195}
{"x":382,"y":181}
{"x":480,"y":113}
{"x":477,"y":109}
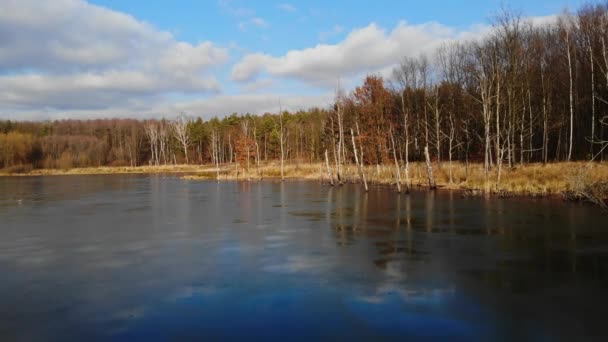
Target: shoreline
{"x":532,"y":180}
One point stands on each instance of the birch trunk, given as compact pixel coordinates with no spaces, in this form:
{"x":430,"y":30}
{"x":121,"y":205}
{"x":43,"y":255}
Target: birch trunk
{"x":429,"y":169}
{"x":331,"y":178}
{"x":396,"y":162}
{"x":359,"y":166}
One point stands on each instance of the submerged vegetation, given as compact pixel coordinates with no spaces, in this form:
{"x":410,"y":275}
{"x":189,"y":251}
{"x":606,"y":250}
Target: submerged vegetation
{"x":522,"y":110}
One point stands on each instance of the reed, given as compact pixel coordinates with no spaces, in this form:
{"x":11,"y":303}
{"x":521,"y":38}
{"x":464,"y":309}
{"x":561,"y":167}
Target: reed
{"x":531,"y":179}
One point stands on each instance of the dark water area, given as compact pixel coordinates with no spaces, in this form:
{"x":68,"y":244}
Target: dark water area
{"x":127,"y":257}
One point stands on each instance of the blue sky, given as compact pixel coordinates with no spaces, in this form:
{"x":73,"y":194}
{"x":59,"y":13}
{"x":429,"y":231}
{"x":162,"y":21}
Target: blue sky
{"x":77,"y":58}
{"x":194,"y":20}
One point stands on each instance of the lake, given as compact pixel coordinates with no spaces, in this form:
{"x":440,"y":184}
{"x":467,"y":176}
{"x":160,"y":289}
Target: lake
{"x":155,"y":257}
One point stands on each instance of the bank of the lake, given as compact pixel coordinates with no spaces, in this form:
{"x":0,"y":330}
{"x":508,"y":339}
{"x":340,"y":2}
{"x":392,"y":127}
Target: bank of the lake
{"x":536,"y":180}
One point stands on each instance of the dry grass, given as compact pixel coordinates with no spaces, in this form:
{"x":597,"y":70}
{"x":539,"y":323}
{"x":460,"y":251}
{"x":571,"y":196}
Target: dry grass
{"x":112,"y":170}
{"x":530,"y":180}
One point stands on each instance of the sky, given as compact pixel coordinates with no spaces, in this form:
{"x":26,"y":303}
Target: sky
{"x":149,"y":59}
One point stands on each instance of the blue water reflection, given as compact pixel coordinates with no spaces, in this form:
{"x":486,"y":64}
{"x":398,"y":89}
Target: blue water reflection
{"x":159,"y":258}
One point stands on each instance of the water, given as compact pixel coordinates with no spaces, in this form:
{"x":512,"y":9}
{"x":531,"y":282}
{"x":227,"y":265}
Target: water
{"x":159,"y":258}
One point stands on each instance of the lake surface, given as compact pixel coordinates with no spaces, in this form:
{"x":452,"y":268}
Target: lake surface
{"x":159,"y":258}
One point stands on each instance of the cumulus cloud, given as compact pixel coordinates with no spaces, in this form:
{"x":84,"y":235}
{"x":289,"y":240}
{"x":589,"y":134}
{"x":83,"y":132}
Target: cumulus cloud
{"x":72,"y":59}
{"x":250,"y":103}
{"x":219,"y":105}
{"x":366,"y":49}
{"x":258,"y":85}
{"x":71,"y":54}
{"x":92,"y":90}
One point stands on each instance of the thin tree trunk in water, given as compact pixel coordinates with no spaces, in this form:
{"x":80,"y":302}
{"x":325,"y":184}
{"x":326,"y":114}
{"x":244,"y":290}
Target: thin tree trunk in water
{"x":592,"y":98}
{"x":396,"y":161}
{"x":497,"y":115}
{"x":407,"y":144}
{"x":545,"y":119}
{"x":429,"y":169}
{"x":559,"y":144}
{"x":230,"y":148}
{"x":606,"y":76}
{"x":530,"y":127}
{"x":236,"y":166}
{"x":257,"y":151}
{"x":499,"y":169}
{"x":486,"y":164}
{"x":451,"y":143}
{"x":282,"y":142}
{"x":336,"y":149}
{"x":359,"y":166}
{"x":437,"y":129}
{"x":331,"y":178}
{"x":450,"y":162}
{"x":511,"y":143}
{"x":186,"y":153}
{"x":571,"y":96}
{"x":341,"y":155}
{"x":521,"y":133}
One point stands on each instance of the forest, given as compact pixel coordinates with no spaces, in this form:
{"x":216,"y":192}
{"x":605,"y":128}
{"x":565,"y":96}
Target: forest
{"x":524,"y":93}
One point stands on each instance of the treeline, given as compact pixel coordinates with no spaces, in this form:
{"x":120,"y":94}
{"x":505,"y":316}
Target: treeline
{"x":126,"y":142}
{"x":523,"y":93}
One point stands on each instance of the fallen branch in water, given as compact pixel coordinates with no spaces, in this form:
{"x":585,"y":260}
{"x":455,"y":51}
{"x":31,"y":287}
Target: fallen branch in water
{"x":584,"y":189}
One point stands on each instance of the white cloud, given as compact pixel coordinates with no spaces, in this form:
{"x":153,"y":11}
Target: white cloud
{"x":72,"y":59}
{"x":71,"y":54}
{"x":220,"y":105}
{"x":258,"y":85}
{"x":93,"y":90}
{"x":251,"y":103}
{"x":367,"y":49}
{"x":287,"y":7}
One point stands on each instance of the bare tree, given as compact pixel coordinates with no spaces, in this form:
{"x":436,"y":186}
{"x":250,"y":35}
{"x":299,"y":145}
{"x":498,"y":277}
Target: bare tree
{"x":282,"y":141}
{"x":482,"y":69}
{"x":429,"y":169}
{"x":152,"y":133}
{"x":339,"y":110}
{"x":329,"y":176}
{"x":181,"y":131}
{"x":359,"y":163}
{"x":566,"y":26}
{"x":397,"y":168}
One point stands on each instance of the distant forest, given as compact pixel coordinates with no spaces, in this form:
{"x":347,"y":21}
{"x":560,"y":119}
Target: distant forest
{"x":524,"y":93}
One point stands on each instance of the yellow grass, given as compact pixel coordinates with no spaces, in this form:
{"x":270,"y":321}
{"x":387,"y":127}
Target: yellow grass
{"x":531,"y":179}
{"x":103,"y":170}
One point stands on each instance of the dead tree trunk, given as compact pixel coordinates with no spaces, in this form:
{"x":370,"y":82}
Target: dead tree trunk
{"x":429,"y":169}
{"x":407,"y":143}
{"x":282,"y":142}
{"x":396,"y":161}
{"x":571,"y":92}
{"x":331,"y":178}
{"x":359,"y":166}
